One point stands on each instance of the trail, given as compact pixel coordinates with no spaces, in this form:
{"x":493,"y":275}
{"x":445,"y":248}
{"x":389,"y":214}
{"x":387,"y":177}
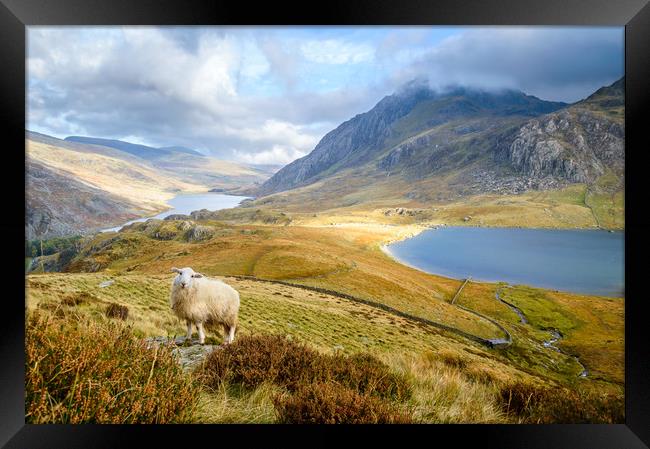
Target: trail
{"x":491,"y":343}
{"x":460,"y":290}
{"x":591,"y":208}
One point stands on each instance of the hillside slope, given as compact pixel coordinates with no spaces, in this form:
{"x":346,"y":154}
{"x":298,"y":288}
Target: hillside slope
{"x":59,"y":205}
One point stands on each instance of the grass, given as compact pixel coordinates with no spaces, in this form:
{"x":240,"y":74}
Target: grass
{"x":527,"y":404}
{"x":451,"y":379}
{"x":81,"y":371}
{"x":253,"y":360}
{"x":347,"y":260}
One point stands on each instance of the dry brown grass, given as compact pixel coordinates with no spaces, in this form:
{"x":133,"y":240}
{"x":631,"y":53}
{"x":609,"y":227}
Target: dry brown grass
{"x":117,"y":311}
{"x":81,"y":371}
{"x":327,"y":403}
{"x":254,"y":360}
{"x":525,"y":403}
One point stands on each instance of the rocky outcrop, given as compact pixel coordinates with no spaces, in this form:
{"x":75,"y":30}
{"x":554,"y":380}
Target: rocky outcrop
{"x":189,"y":355}
{"x":575,"y":145}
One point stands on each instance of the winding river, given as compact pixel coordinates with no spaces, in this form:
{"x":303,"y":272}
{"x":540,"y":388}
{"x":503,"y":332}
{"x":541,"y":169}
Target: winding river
{"x":579,"y":261}
{"x":186,"y":203}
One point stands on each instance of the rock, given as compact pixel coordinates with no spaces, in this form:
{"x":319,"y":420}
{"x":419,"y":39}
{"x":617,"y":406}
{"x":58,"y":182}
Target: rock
{"x":198,"y":233}
{"x":189,"y":357}
{"x":106,"y":283}
{"x":177,"y":217}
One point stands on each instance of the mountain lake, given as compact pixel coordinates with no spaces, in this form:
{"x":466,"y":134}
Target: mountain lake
{"x":580,"y":261}
{"x":186,"y":203}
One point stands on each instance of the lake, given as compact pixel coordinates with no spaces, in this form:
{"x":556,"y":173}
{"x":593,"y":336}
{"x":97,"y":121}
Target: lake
{"x":184,"y":204}
{"x":580,"y":261}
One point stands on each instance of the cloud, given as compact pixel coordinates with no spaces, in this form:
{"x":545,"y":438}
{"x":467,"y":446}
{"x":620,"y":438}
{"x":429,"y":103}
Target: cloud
{"x":336,"y":51}
{"x":553,"y":63}
{"x":277,"y":156}
{"x":268,"y":95}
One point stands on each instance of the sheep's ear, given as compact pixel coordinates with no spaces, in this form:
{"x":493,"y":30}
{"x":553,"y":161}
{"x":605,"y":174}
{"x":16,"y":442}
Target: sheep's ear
{"x":176,"y":270}
{"x":197,"y":275}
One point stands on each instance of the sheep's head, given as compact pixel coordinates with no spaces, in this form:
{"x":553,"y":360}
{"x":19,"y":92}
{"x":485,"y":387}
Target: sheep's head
{"x":185,"y":276}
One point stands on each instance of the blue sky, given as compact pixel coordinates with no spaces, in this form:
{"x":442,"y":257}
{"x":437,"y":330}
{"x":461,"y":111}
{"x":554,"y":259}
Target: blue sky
{"x":268,"y":94}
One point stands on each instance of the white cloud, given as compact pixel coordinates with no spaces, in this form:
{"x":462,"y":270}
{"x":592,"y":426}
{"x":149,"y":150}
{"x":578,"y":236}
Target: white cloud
{"x":258,"y":95}
{"x":277,"y":155}
{"x":335,"y":51}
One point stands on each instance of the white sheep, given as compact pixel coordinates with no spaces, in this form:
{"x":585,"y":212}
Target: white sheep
{"x":202,"y":301}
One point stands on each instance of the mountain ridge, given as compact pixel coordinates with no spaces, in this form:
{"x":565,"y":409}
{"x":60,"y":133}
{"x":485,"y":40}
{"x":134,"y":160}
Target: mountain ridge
{"x":418,"y":134}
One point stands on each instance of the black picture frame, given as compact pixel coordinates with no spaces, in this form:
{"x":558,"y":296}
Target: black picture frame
{"x":15,"y":15}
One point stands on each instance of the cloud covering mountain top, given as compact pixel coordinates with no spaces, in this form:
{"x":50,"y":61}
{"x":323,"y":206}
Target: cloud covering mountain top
{"x":268,"y":94}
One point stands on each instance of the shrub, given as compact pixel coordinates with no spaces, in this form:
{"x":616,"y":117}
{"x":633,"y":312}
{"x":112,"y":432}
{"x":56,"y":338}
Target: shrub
{"x":327,"y":403}
{"x":453,"y":360}
{"x":252,"y":360}
{"x":83,"y":372}
{"x":543,"y":405}
{"x":117,"y":311}
{"x":76,"y":299}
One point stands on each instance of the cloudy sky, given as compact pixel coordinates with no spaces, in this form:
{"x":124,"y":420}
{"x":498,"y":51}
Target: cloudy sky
{"x":268,"y":94}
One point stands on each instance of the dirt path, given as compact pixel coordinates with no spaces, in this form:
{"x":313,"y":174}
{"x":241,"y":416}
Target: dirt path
{"x":507,"y":341}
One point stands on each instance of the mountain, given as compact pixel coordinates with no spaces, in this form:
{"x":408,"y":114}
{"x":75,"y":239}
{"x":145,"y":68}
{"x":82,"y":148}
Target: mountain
{"x":578,"y":144}
{"x":76,"y":187}
{"x":186,"y":164}
{"x":420,"y":144}
{"x":407,"y":113}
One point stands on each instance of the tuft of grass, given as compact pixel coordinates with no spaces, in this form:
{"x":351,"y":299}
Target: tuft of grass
{"x":232,"y":404}
{"x":525,"y":403}
{"x":327,"y":403}
{"x":117,"y":311}
{"x":254,"y":360}
{"x":81,"y":371}
{"x":443,"y":393}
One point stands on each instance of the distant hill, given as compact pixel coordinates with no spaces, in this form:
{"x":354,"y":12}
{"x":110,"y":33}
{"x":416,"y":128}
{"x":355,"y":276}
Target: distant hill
{"x":182,"y":150}
{"x":429,"y":145}
{"x":141,"y":151}
{"x":76,"y":186}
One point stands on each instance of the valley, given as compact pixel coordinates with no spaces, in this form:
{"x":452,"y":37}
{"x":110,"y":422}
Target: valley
{"x":109,"y":186}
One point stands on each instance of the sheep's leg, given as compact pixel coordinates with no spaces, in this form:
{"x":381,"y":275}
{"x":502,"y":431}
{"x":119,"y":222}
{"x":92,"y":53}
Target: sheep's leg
{"x":189,"y":330}
{"x":231,"y":334}
{"x":199,"y":326}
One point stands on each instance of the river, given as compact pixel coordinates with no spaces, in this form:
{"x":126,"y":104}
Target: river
{"x":186,"y":203}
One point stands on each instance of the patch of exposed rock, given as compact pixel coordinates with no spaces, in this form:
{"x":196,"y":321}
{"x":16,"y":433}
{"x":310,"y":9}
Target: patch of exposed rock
{"x":405,"y":212}
{"x":188,"y":356}
{"x":574,"y":145}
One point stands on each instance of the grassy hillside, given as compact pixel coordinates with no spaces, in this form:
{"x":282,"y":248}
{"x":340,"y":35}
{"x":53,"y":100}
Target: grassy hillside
{"x":347,"y":259}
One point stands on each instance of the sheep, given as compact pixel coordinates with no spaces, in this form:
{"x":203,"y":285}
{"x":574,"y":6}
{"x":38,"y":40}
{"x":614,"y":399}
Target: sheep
{"x":199,"y":300}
